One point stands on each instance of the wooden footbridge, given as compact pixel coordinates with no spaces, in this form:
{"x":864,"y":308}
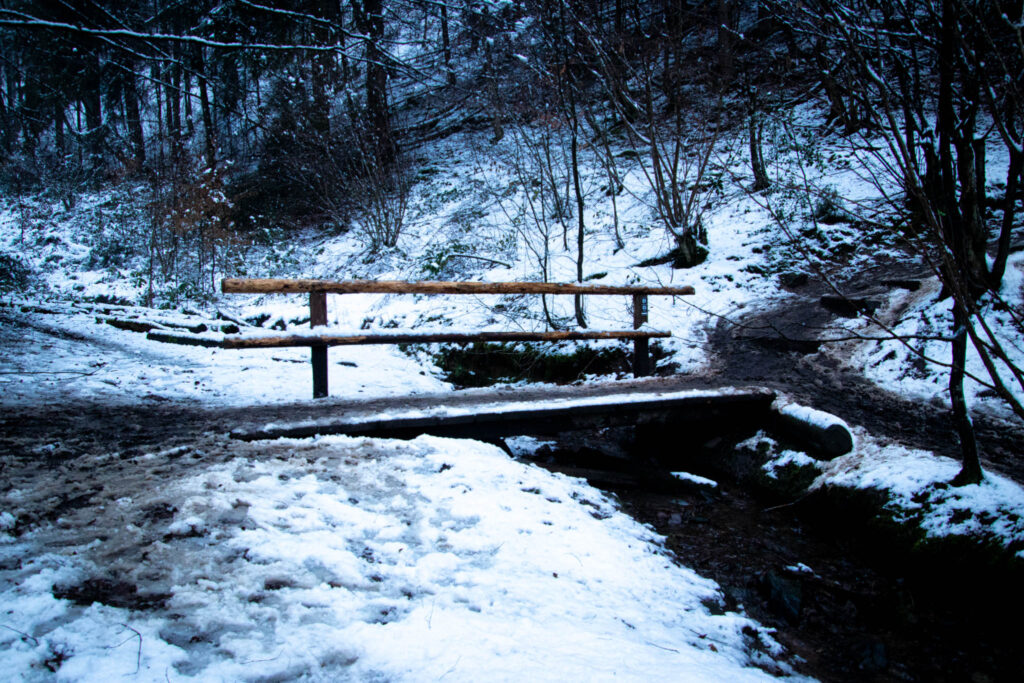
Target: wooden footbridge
{"x":723,"y":410}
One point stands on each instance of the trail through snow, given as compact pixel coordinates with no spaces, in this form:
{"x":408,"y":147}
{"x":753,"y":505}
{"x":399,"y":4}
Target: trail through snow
{"x":353,"y":559}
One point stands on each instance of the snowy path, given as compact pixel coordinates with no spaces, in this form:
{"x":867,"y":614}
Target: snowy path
{"x":350,"y":559}
{"x":137,"y":538}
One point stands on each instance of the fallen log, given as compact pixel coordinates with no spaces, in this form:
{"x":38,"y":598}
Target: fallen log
{"x":186,"y":339}
{"x":128,"y":325}
{"x":825,"y":434}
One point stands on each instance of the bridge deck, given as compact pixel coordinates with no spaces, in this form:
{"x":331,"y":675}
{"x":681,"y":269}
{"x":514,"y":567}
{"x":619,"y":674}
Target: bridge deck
{"x":498,"y":420}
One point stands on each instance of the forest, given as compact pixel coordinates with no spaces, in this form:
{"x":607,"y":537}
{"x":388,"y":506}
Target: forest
{"x":826,"y":194}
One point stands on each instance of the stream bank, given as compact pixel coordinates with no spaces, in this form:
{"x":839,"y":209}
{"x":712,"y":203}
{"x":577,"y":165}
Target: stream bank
{"x":852,"y":595}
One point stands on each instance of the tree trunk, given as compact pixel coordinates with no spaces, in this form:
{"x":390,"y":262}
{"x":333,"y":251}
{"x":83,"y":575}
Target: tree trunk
{"x":92,"y":101}
{"x":446,"y":46}
{"x":173,"y":92}
{"x":186,"y":98}
{"x":689,"y":252}
{"x":209,"y":134}
{"x":970,"y":470}
{"x":725,"y":49}
{"x":761,"y":181}
{"x":5,"y":119}
{"x":1009,"y":212}
{"x":171,"y":116}
{"x":58,"y":128}
{"x":160,"y":118}
{"x":133,"y":119}
{"x":370,"y":20}
{"x":495,"y":100}
{"x":322,"y":68}
{"x":580,"y":224}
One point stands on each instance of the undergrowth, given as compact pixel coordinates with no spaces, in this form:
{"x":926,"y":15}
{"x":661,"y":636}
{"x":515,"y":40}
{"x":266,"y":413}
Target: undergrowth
{"x":484,"y":364}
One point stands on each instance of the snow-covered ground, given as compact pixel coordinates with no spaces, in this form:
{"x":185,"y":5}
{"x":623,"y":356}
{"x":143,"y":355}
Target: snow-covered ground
{"x":359,"y":559}
{"x":915,"y":487}
{"x":69,"y":356}
{"x":366,"y":559}
{"x":339,"y":558}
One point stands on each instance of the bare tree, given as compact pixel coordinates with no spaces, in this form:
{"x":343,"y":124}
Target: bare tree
{"x":935,"y":82}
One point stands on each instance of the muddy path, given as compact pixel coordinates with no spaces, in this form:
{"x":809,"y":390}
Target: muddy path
{"x":779,"y":348}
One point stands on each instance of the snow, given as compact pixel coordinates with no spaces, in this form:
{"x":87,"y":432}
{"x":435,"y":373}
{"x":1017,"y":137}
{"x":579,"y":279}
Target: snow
{"x":7,"y":521}
{"x":800,"y":568}
{"x":784,"y":458}
{"x":84,"y":360}
{"x":696,"y":479}
{"x":818,"y":418}
{"x":526,"y":446}
{"x":356,"y":559}
{"x":777,"y":457}
{"x":479,"y":409}
{"x":915,"y":483}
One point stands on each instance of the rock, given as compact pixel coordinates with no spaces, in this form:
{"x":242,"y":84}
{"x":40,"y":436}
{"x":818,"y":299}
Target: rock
{"x":848,"y":307}
{"x":785,"y":596}
{"x":793,"y":279}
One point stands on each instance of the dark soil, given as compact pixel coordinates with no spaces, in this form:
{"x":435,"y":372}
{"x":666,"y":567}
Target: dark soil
{"x":110,"y":592}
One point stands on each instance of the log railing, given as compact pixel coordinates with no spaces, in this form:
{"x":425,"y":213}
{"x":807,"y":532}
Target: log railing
{"x":319,"y":289}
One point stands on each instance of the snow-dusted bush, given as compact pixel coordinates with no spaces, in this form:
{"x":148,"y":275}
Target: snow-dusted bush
{"x":15,"y":274}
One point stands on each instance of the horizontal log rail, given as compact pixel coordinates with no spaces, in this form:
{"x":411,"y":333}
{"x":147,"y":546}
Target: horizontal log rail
{"x":319,"y":289}
{"x":299,"y":340}
{"x":282,"y":286}
{"x":430,"y":338}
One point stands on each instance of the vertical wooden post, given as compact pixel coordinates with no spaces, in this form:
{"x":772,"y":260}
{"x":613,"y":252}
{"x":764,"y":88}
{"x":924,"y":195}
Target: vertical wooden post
{"x":318,"y":318}
{"x":641,"y":355}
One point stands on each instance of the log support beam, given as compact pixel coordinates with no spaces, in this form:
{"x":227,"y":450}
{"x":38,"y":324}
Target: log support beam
{"x":282,"y":286}
{"x":318,"y":318}
{"x":641,"y":350}
{"x":285,"y":341}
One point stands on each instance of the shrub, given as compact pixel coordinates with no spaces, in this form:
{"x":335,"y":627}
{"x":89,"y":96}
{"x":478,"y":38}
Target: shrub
{"x":15,"y":274}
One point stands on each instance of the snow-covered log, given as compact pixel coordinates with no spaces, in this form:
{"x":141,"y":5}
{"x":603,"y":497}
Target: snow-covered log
{"x":827,"y":435}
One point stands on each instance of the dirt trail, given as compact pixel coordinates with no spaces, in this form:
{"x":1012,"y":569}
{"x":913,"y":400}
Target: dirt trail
{"x":777,"y":348}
